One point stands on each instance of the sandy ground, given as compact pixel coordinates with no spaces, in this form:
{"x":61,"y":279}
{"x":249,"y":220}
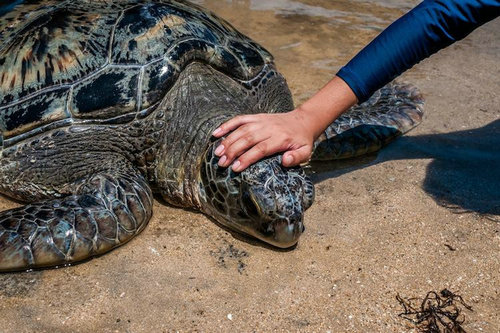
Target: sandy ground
{"x":421,"y":215}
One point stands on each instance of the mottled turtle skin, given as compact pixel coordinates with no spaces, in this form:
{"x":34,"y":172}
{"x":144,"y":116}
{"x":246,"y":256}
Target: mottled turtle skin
{"x":104,"y":103}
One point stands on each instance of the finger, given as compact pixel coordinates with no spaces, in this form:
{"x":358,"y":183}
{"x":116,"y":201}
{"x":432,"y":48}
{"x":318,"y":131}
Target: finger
{"x":254,"y":154}
{"x":240,"y":146}
{"x":246,"y":130}
{"x":297,"y":156}
{"x":229,"y":140}
{"x":232,"y":124}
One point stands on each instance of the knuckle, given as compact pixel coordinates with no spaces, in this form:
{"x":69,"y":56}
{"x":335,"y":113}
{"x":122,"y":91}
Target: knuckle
{"x":236,"y":119}
{"x":225,"y":142}
{"x":287,"y":141}
{"x":231,"y":152}
{"x":246,"y":129}
{"x":248,"y":139}
{"x":261,"y":149}
{"x":241,"y":119}
{"x":231,"y":138}
{"x":225,"y":126}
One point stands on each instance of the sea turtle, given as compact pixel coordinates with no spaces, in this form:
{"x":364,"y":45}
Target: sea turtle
{"x":104,"y":103}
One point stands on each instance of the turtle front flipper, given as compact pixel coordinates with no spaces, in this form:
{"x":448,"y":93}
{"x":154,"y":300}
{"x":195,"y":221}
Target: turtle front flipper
{"x":107,"y":211}
{"x":389,"y":113}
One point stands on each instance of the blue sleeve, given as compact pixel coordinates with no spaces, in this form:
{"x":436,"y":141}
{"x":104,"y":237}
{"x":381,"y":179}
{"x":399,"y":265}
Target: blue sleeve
{"x":429,"y":27}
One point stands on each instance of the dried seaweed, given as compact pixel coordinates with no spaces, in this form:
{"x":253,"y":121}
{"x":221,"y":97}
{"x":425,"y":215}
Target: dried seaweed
{"x":436,"y":313}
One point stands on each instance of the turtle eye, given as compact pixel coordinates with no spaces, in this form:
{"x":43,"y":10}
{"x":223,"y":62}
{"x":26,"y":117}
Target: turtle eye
{"x":249,"y":205}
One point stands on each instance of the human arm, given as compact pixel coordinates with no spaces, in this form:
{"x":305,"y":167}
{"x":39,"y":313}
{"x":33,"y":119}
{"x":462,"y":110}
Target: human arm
{"x":426,"y":29}
{"x":429,"y":27}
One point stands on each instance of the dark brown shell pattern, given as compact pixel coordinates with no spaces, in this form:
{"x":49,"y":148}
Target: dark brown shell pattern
{"x":64,"y":62}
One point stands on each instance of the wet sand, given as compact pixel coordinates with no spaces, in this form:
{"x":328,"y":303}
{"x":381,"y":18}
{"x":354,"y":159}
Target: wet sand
{"x":421,"y":215}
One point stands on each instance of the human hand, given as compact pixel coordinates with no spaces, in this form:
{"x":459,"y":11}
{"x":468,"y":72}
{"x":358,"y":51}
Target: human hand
{"x":257,"y":136}
{"x":254,"y":137}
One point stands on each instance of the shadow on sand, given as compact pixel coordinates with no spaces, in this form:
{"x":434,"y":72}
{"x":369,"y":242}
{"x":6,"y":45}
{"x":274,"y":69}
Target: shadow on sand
{"x":464,"y":174}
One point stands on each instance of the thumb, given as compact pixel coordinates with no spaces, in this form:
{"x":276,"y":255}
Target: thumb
{"x":297,"y":156}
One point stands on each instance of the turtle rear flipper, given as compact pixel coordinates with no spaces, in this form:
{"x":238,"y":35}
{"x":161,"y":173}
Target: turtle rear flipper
{"x":108,"y":210}
{"x":389,"y":113}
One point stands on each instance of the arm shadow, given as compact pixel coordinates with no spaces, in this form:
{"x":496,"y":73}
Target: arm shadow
{"x":464,"y":173}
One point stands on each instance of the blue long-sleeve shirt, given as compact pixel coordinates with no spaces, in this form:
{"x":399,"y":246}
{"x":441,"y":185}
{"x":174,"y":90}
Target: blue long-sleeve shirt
{"x":429,"y":27}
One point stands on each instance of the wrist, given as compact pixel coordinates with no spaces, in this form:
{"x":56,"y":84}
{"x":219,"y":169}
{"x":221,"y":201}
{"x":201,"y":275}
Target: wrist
{"x":321,"y":110}
{"x":310,"y":121}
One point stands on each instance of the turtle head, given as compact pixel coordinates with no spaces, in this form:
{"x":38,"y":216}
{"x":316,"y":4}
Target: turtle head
{"x":266,"y":200}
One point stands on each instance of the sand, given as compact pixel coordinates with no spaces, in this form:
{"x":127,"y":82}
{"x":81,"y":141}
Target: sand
{"x":421,"y":215}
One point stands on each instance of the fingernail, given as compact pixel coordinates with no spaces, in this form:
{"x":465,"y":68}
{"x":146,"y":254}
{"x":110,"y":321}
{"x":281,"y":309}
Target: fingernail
{"x":219,"y":150}
{"x":222,"y":160}
{"x":288,"y":159}
{"x":236,"y":166}
{"x":216,"y":131}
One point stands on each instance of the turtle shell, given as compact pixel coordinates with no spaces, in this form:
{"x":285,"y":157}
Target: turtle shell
{"x":70,"y":61}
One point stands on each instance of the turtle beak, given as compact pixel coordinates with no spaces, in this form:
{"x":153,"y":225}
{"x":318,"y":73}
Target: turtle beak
{"x":271,"y":223}
{"x":288,"y":231}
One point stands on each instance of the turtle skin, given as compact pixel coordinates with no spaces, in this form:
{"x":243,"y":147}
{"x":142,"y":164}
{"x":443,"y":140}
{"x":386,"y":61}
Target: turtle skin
{"x":105,"y":103}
